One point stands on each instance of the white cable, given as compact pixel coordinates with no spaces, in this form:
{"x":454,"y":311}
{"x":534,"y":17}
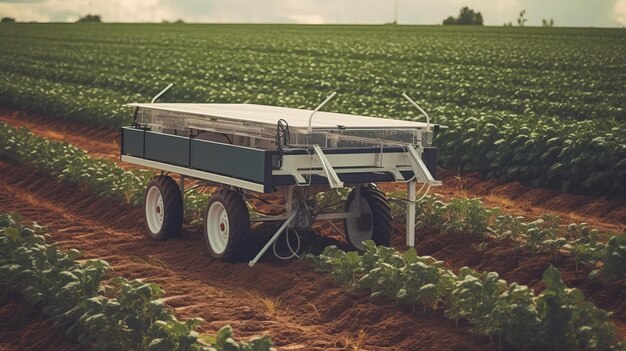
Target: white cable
{"x":425,"y":193}
{"x":420,"y":189}
{"x":294,"y":253}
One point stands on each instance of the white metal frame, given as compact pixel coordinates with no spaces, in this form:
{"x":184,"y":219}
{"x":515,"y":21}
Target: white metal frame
{"x":256,"y":121}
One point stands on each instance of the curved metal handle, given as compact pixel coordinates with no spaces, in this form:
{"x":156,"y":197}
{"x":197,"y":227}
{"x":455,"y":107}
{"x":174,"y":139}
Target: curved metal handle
{"x":419,"y":108}
{"x":309,"y":129}
{"x":161,"y":93}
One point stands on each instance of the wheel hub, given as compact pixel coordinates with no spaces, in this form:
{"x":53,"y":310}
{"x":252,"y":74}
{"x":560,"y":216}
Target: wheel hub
{"x":154,"y":209}
{"x":217,"y":227}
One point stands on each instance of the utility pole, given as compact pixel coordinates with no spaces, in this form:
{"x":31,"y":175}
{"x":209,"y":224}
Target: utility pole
{"x":395,"y":13}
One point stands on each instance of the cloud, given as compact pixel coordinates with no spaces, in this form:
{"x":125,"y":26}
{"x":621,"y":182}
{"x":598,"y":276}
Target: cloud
{"x":495,"y":12}
{"x":620,"y":12}
{"x":71,"y":10}
{"x":21,"y":1}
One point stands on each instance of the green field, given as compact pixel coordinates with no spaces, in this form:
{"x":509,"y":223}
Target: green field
{"x":545,"y":107}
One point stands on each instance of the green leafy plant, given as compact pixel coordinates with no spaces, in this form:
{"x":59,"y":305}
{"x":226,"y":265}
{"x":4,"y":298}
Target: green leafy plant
{"x":613,"y":259}
{"x":119,"y":315}
{"x":526,"y":115}
{"x":557,"y":318}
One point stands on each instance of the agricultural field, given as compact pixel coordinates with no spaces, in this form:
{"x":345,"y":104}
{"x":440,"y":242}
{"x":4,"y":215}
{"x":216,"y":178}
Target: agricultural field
{"x":542,"y":108}
{"x":523,"y":247}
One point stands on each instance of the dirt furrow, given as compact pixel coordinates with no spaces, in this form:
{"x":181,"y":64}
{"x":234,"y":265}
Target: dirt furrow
{"x":23,"y":327}
{"x":600,"y":212}
{"x":299,"y":308}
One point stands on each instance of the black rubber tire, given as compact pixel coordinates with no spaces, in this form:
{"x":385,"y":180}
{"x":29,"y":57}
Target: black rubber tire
{"x":381,"y":215}
{"x":173,"y":208}
{"x":239,"y":226}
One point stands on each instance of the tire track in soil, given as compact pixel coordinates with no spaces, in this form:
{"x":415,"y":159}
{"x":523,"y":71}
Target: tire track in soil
{"x":514,"y":198}
{"x":313,"y":313}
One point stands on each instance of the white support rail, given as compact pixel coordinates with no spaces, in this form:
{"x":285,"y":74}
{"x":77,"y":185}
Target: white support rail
{"x":410,"y":213}
{"x":419,"y":168}
{"x":271,"y":241}
{"x":331,"y":175}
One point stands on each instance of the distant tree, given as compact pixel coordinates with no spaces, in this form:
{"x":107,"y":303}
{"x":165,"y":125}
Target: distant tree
{"x":90,"y":19}
{"x":178,"y":21}
{"x":467,"y":16}
{"x":547,"y":23}
{"x":510,"y":24}
{"x":521,"y":21}
{"x":7,"y":20}
{"x":449,"y":20}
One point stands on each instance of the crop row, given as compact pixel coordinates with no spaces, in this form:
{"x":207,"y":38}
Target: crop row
{"x":131,"y":60}
{"x":111,"y":314}
{"x":528,"y":115}
{"x":558,"y":318}
{"x":587,"y":246}
{"x":546,"y":152}
{"x":454,"y":217}
{"x":69,"y":163}
{"x":466,"y":216}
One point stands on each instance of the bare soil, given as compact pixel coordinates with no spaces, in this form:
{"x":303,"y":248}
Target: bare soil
{"x":23,"y":327}
{"x":312,"y":313}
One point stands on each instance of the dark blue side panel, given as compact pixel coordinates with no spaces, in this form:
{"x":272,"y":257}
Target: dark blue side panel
{"x":132,"y":142}
{"x":229,"y":160}
{"x":167,"y":148}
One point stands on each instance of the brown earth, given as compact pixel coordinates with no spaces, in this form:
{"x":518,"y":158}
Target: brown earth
{"x":23,"y":327}
{"x":603,"y":213}
{"x":456,"y":250}
{"x":300,"y":309}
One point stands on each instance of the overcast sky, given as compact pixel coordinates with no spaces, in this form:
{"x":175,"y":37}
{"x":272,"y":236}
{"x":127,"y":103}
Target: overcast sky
{"x":581,"y":13}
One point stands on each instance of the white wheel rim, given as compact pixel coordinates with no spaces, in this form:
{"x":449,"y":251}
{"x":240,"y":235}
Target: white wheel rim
{"x":155,"y":210}
{"x":360,"y":228}
{"x":217,"y":227}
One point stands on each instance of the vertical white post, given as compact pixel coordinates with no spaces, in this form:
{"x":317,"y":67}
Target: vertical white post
{"x":291,"y":202}
{"x":410,"y":214}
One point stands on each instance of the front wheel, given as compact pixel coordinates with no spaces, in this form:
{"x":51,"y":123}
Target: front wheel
{"x":163,"y":208}
{"x":226,"y":225}
{"x":373,"y":220}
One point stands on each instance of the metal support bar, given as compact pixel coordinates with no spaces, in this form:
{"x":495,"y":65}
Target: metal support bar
{"x":271,"y":241}
{"x":419,"y":168}
{"x":331,"y":175}
{"x":269,"y":219}
{"x":410,"y":213}
{"x":337,"y":215}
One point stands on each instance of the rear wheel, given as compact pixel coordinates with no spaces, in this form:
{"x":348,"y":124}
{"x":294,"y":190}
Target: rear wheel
{"x":163,"y":208}
{"x":226,"y":225}
{"x":374,"y":219}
